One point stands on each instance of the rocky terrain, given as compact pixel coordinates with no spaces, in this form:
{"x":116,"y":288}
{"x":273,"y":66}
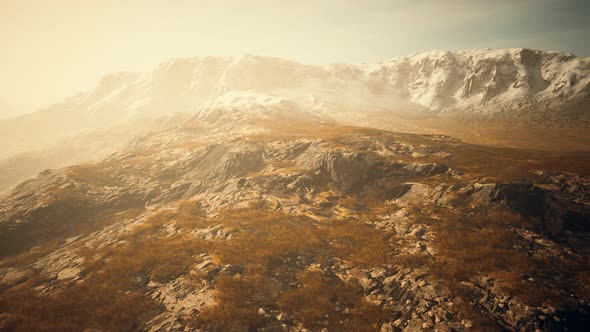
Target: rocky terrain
{"x":256,"y":213}
{"x":517,"y":87}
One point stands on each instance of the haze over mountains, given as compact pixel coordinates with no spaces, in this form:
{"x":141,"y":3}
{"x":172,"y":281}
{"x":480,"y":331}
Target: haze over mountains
{"x":540,"y":89}
{"x":519,"y":84}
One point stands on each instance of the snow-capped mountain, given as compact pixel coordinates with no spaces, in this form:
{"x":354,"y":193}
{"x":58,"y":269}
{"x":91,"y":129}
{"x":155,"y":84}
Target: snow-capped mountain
{"x":537,"y":88}
{"x":483,"y":81}
{"x":513,"y":83}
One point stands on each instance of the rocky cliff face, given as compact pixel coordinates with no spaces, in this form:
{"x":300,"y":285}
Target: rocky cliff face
{"x":447,"y":80}
{"x":295,"y":224}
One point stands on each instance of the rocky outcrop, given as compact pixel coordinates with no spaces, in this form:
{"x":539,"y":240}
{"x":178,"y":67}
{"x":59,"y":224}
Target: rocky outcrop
{"x":558,"y":209}
{"x":347,"y":170}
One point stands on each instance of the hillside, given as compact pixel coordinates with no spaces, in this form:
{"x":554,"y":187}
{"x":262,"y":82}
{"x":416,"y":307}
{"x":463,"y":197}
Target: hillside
{"x":256,"y":217}
{"x":512,"y":97}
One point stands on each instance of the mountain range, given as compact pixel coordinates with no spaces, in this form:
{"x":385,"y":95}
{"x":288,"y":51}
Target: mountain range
{"x":526,"y":88}
{"x":254,"y":193}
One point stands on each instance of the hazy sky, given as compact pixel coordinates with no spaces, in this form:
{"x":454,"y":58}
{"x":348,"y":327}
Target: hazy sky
{"x":52,"y":49}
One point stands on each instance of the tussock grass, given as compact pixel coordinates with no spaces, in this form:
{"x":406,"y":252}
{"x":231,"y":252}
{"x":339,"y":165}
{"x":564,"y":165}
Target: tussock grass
{"x":112,"y":294}
{"x":324,"y":301}
{"x":481,"y":243}
{"x":96,"y":174}
{"x":275,"y":250}
{"x":472,"y":244}
{"x":237,"y":307}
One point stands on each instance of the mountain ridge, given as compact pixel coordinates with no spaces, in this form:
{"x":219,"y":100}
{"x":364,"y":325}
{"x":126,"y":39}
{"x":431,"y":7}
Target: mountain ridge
{"x":521,"y":87}
{"x":230,"y":74}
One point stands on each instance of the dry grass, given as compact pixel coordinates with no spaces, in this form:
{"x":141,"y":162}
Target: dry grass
{"x":357,"y":242}
{"x":486,"y":243}
{"x":56,"y":222}
{"x":479,"y":244}
{"x":411,"y":260}
{"x":74,"y":310}
{"x":96,"y":174}
{"x":102,"y":301}
{"x":274,"y":250}
{"x":322,"y":301}
{"x":237,"y":307}
{"x":190,"y":215}
{"x":265,"y":237}
{"x":470,"y":244}
{"x":112,"y":296}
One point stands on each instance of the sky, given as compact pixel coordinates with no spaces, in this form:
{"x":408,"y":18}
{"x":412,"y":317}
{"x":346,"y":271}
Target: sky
{"x":51,"y":50}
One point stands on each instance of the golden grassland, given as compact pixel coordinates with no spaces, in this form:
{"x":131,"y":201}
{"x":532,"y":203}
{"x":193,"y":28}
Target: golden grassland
{"x":319,"y":297}
{"x":474,"y":244}
{"x":112,"y":292}
{"x":273,"y":249}
{"x":274,"y":253}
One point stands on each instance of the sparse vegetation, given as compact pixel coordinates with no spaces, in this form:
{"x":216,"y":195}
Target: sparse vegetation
{"x":269,"y":244}
{"x":486,"y":244}
{"x":479,"y":243}
{"x":112,"y":293}
{"x":237,"y":307}
{"x":301,"y":262}
{"x":265,"y":244}
{"x":322,"y":301}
